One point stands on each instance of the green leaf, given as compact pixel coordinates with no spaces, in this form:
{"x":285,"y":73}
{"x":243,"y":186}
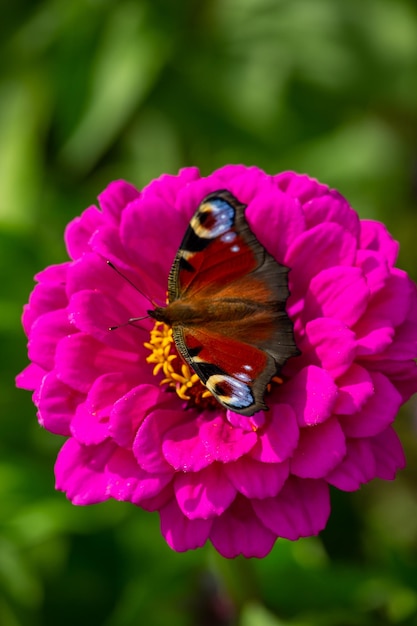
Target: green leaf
{"x":124,"y":68}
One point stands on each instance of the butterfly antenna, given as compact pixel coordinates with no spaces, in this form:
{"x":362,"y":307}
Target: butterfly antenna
{"x":131,"y":322}
{"x":110,"y":264}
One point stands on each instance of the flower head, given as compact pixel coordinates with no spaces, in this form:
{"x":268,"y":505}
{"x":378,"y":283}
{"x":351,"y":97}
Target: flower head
{"x":212,"y":474}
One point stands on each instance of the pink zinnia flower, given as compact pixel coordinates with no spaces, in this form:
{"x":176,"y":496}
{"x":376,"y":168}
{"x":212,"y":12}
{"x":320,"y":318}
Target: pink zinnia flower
{"x":214,"y":475}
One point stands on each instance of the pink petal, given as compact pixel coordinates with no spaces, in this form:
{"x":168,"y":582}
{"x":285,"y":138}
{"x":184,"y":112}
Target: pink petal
{"x":257,"y":480}
{"x":227,"y":173}
{"x":339,"y":292}
{"x":87,"y":428}
{"x":150,"y":440}
{"x":249,"y":424}
{"x":141,"y":236}
{"x":194,"y":446}
{"x":247,"y":186}
{"x":277,"y":441}
{"x":403,"y":375}
{"x":357,"y":468}
{"x":128,"y":482}
{"x":377,"y":413}
{"x":45,"y":334}
{"x":53,"y":274}
{"x":91,"y":474}
{"x":312,"y":394}
{"x":239,"y":531}
{"x":204,"y":494}
{"x":180,"y":533}
{"x":355,"y":388}
{"x":190,"y":197}
{"x":388,"y":453}
{"x":330,"y":344}
{"x":375,"y":236}
{"x":94,"y":313}
{"x":373,"y":335}
{"x":320,"y":449}
{"x":167,"y":187}
{"x":57,"y":405}
{"x":301,"y":509}
{"x":79,"y":472}
{"x":78,"y":232}
{"x":332,"y":207}
{"x":404,"y":346}
{"x":155,"y":503}
{"x":44,"y":298}
{"x":300,"y":186}
{"x":393,"y":302}
{"x":223,"y":442}
{"x":131,"y":409}
{"x":336,"y":246}
{"x":182,"y":447}
{"x":106,"y":244}
{"x":272,"y":212}
{"x":91,"y":422}
{"x":243,"y":186}
{"x":374,"y":267}
{"x":91,"y":272}
{"x":117,"y":195}
{"x":366,"y":459}
{"x":31,"y":377}
{"x":407,"y":387}
{"x":80,"y":373}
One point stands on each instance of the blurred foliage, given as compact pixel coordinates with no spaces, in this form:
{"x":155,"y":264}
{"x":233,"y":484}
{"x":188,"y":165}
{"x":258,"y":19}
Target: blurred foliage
{"x":93,"y":90}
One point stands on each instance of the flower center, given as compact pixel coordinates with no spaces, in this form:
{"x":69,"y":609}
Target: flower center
{"x":177,"y":374}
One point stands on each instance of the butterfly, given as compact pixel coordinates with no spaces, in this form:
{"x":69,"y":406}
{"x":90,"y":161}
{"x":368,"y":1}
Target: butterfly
{"x":226,"y":306}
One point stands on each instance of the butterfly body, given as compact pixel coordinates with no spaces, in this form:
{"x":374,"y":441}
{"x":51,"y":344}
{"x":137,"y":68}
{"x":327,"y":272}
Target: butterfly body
{"x":226,"y":306}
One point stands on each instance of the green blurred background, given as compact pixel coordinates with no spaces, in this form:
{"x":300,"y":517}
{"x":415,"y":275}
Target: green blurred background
{"x":93,"y":90}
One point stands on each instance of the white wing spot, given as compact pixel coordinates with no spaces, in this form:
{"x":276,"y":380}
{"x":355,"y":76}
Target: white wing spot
{"x":228,"y":237}
{"x":244,"y":377}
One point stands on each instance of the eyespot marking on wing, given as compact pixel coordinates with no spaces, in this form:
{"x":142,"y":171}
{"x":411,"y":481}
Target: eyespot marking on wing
{"x":232,"y":392}
{"x":214,"y":218}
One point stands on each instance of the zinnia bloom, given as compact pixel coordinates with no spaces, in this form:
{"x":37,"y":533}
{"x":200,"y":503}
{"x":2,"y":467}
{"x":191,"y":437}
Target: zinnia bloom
{"x":140,"y":428}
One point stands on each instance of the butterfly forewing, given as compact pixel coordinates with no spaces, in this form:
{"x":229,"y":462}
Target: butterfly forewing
{"x":213,"y":251}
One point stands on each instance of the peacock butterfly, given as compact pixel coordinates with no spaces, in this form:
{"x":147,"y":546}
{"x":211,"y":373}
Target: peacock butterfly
{"x":226,"y":306}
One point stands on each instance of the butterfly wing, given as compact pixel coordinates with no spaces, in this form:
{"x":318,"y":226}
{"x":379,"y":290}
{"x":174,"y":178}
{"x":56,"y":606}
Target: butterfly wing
{"x":239,"y":335}
{"x":236,"y":373}
{"x":218,"y":248}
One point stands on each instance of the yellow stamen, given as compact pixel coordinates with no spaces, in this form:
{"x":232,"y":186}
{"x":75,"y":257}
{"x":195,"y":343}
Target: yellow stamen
{"x":177,"y":374}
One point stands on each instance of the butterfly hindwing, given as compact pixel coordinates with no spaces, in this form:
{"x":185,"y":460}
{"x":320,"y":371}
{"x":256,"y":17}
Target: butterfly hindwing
{"x":236,"y":373}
